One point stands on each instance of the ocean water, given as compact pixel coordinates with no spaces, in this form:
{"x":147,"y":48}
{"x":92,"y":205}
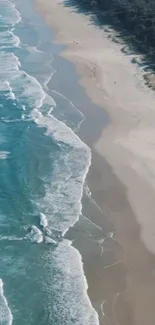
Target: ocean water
{"x":43,"y":165}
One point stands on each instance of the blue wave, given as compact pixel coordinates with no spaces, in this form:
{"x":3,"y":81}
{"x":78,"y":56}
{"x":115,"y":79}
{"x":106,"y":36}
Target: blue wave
{"x":43,"y":165}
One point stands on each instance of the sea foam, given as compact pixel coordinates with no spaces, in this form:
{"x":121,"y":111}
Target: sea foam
{"x":62,"y":201}
{"x":5,"y":312}
{"x":65,"y":278}
{"x":35,"y":235}
{"x":61,"y":206}
{"x":43,"y":220}
{"x":8,"y":39}
{"x":10,"y":15}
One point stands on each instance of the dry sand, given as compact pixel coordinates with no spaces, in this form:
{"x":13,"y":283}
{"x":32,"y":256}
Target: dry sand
{"x":127,"y":146}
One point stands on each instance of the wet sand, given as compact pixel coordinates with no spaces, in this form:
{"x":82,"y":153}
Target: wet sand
{"x":119,"y":270}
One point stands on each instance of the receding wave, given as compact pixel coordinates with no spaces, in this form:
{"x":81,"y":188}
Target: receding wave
{"x":5,"y":312}
{"x":9,"y":14}
{"x":60,"y":205}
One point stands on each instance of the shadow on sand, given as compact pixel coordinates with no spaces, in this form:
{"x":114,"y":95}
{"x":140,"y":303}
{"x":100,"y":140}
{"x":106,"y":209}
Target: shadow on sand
{"x":133,"y":23}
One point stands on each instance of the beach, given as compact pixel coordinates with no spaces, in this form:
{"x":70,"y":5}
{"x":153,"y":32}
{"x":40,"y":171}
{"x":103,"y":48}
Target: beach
{"x":120,"y":269}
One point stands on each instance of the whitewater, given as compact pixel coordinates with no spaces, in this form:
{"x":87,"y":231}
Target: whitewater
{"x":43,"y":166}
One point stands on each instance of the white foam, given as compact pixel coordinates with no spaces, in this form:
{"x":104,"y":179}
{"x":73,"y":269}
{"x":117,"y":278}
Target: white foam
{"x":29,"y":91}
{"x":10,"y":95}
{"x":62,"y":206}
{"x":35,"y":235}
{"x":49,"y":240}
{"x":43,"y":63}
{"x":10,"y":238}
{"x":62,"y":202}
{"x":50,"y":111}
{"x":20,"y":85}
{"x":11,"y":15}
{"x":43,"y":220}
{"x":15,"y":38}
{"x":4,"y":155}
{"x":32,"y":89}
{"x":87,"y":190}
{"x":69,"y":276}
{"x":8,"y":39}
{"x":59,"y":131}
{"x":16,"y":120}
{"x":9,"y":69}
{"x":5,"y":312}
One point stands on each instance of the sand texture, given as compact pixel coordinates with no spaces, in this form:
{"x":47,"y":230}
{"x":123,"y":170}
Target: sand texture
{"x":127,"y":146}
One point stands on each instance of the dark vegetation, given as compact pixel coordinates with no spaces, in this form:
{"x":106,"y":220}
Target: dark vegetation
{"x":133,"y":19}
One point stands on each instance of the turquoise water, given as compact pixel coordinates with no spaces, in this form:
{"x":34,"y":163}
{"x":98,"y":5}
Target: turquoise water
{"x":43,"y":165}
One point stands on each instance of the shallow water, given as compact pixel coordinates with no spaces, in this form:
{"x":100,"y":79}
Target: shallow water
{"x":43,"y":165}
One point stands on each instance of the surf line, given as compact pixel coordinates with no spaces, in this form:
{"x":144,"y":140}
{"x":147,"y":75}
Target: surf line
{"x":5,"y":312}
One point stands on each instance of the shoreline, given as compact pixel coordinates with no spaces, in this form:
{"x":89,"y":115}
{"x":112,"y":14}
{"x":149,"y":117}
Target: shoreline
{"x":78,"y":233}
{"x":121,"y":182}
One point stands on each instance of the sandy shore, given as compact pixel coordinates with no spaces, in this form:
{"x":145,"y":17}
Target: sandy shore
{"x":122,"y":176}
